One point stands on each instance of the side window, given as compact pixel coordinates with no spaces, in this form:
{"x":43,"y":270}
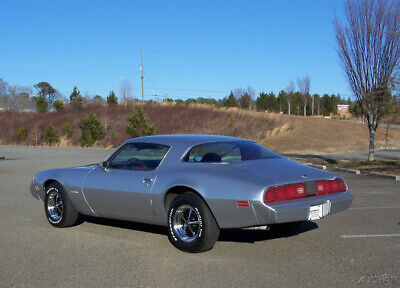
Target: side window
{"x":138,"y":156}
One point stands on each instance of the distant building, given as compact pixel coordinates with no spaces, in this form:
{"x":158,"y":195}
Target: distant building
{"x":343,"y":109}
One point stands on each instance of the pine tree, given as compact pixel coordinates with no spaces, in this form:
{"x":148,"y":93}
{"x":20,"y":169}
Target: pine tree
{"x":50,"y":135}
{"x":76,"y":99}
{"x":112,"y":99}
{"x":91,"y":130}
{"x":230,"y":101}
{"x":41,"y":103}
{"x":21,"y":134}
{"x":138,"y":125}
{"x":58,"y":104}
{"x":66,"y":129}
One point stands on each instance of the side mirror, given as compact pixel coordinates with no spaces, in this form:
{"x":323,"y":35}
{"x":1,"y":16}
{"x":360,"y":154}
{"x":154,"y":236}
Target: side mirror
{"x":104,"y":165}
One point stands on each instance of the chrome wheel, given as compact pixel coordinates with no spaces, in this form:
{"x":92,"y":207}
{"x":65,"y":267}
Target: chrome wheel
{"x":187,"y":223}
{"x":54,"y":206}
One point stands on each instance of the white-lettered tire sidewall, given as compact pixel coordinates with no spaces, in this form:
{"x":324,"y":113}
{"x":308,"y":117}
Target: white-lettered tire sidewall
{"x":48,"y":192}
{"x":69,"y":215}
{"x":197,"y":205}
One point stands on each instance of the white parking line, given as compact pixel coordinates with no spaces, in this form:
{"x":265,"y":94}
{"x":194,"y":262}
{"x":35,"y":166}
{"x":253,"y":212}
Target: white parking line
{"x":370,"y":236}
{"x":376,"y":207}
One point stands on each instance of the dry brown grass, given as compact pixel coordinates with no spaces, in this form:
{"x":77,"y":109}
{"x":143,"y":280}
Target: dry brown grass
{"x":167,"y":118}
{"x":319,"y":135}
{"x":281,"y":133}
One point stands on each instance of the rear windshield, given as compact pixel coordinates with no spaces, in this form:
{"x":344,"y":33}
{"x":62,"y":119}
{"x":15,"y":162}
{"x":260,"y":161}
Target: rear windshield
{"x":228,"y":152}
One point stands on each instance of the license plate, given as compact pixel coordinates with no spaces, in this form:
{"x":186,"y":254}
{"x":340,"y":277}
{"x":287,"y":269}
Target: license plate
{"x":318,"y":211}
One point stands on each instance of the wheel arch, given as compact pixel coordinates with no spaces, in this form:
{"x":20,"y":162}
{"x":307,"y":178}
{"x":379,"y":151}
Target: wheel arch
{"x":180,"y":189}
{"x":48,"y":182}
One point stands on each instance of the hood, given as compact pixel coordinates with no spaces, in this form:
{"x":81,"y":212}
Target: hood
{"x":282,"y":170}
{"x":86,"y":167}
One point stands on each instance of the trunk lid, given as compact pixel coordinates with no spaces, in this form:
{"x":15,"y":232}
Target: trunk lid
{"x":283,"y":171}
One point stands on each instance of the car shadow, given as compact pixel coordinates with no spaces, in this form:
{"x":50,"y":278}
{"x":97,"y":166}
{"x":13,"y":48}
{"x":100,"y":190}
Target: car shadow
{"x":226,"y":235}
{"x":252,"y":236}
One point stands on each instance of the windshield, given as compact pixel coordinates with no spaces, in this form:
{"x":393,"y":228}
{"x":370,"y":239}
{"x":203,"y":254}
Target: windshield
{"x":226,"y":152}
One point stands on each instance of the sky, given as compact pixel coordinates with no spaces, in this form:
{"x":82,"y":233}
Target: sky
{"x":190,"y":48}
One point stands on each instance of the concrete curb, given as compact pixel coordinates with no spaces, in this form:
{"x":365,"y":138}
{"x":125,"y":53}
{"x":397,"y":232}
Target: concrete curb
{"x":357,"y":172}
{"x":322,"y":167}
{"x":354,"y":171}
{"x":387,"y":176}
{"x":387,"y":148}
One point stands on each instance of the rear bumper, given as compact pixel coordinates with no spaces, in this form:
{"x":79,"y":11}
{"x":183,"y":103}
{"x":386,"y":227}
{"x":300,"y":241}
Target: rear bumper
{"x":298,"y":210}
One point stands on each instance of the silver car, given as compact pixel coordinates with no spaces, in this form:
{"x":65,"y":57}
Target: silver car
{"x":195,"y":185}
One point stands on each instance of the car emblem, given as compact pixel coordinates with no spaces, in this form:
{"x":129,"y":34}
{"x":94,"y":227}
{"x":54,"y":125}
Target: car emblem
{"x":304,"y":176}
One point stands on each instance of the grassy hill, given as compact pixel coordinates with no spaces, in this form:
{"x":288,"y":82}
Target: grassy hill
{"x":281,"y":133}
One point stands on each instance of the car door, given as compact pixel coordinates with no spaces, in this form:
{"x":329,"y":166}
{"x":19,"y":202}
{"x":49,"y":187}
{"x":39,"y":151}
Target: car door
{"x":123,"y":189}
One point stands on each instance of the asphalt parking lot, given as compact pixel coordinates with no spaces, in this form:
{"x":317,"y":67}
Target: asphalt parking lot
{"x":356,"y":248}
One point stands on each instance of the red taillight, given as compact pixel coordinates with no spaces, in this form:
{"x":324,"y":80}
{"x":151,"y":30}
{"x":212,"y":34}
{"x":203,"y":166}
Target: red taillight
{"x":330,"y":186}
{"x":298,"y":190}
{"x":285,"y":192}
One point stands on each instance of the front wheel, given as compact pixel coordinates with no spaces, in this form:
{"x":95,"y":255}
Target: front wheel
{"x":58,"y":208}
{"x":191,"y":225}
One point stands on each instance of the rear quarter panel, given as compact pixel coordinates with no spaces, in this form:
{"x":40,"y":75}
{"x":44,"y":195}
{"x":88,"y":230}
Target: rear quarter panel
{"x":220,"y":185}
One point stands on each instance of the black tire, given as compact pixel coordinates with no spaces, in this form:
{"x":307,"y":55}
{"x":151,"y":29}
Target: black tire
{"x":198,"y":237}
{"x":284,"y":228}
{"x":68,"y":216}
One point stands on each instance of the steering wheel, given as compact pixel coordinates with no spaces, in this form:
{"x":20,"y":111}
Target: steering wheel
{"x":140,"y":163}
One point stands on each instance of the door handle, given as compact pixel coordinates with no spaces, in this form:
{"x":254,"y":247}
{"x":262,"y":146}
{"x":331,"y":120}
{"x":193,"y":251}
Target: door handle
{"x":147,"y":180}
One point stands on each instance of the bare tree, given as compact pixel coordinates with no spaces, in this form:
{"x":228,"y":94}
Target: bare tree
{"x":4,"y":94}
{"x":252,"y":93}
{"x":126,"y":91}
{"x":35,"y":135}
{"x":20,"y":96}
{"x":312,"y":104}
{"x":3,"y":87}
{"x":289,"y":91}
{"x":304,"y":87}
{"x":368,"y":46}
{"x":245,"y":94}
{"x":15,"y":96}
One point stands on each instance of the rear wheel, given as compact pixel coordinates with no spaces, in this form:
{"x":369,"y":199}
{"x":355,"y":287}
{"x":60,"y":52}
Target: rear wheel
{"x":191,"y":225}
{"x":58,"y":208}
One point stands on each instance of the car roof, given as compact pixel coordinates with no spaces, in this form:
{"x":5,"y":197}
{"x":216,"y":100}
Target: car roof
{"x":184,"y":139}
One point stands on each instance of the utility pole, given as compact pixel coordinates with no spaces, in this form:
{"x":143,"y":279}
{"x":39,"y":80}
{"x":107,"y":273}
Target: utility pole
{"x":141,"y":69}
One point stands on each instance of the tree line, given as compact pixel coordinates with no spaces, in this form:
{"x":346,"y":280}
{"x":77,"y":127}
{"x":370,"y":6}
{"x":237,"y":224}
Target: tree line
{"x":44,"y":97}
{"x":324,"y":105}
{"x":287,"y":101}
